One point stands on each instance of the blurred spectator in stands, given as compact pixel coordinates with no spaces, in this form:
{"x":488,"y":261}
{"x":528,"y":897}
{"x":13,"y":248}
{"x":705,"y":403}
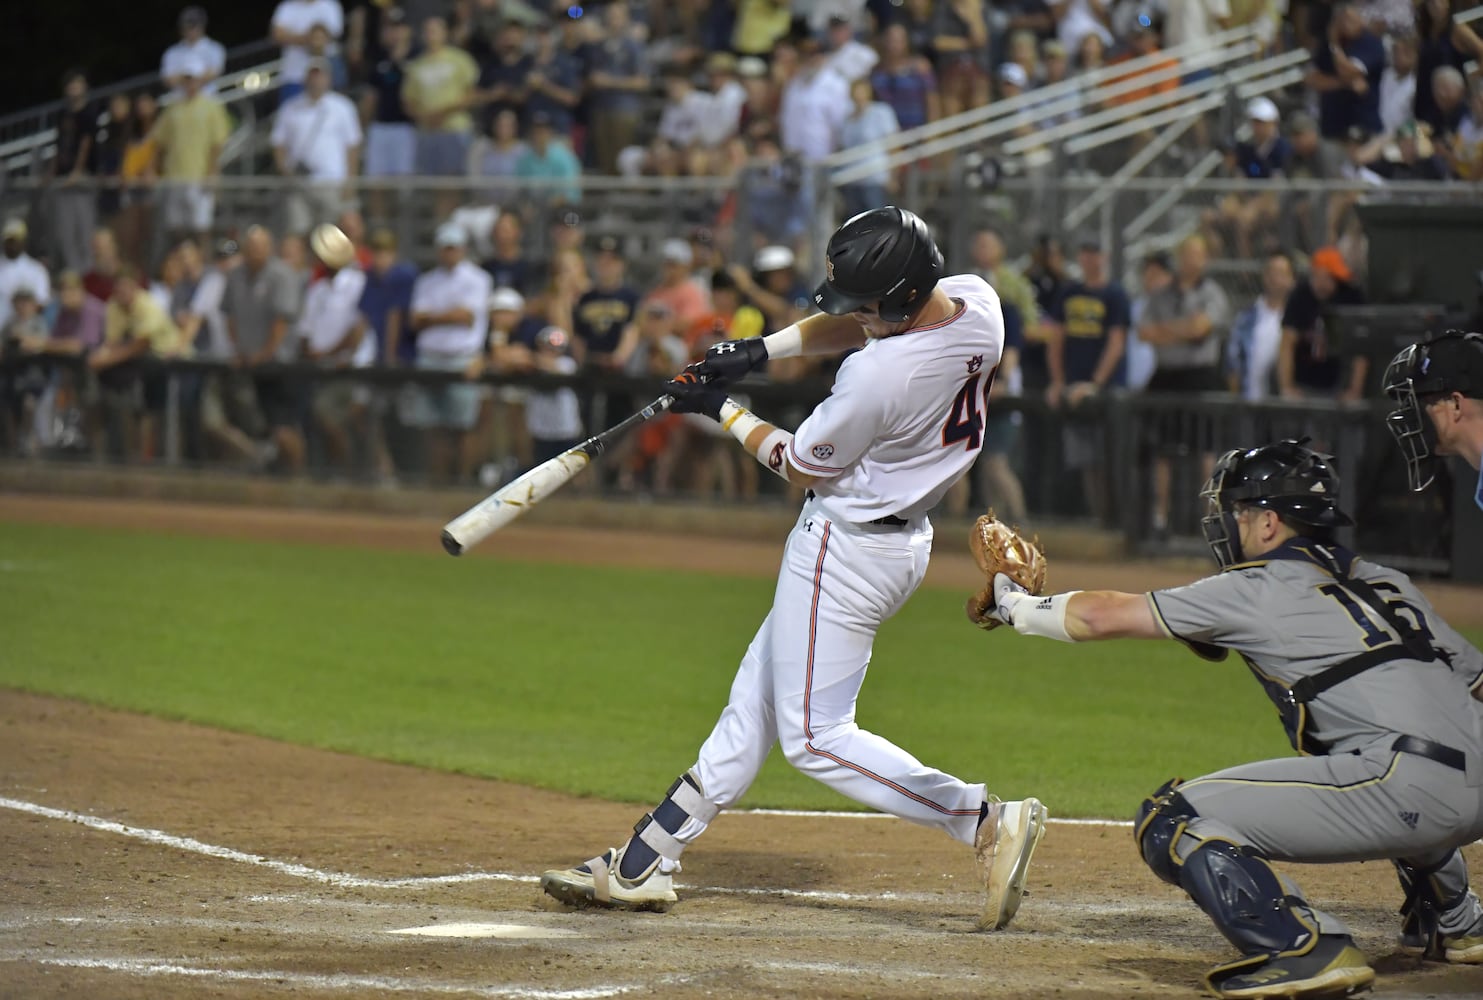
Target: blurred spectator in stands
{"x":1410,"y":156}
{"x":19,"y":269}
{"x":1256,"y":333}
{"x":848,"y":56}
{"x":1193,"y":21}
{"x":1308,"y":365}
{"x":1047,"y":275}
{"x":1024,"y":51}
{"x":25,"y":331}
{"x":219,"y":414}
{"x":189,"y":138}
{"x":260,"y":303}
{"x":194,"y":46}
{"x":316,"y":143}
{"x":386,"y":302}
{"x":733,"y":315}
{"x":497,"y":155}
{"x":1385,"y":17}
{"x":504,"y":74}
{"x":1141,"y":359}
{"x":779,"y":202}
{"x":658,"y":348}
{"x":960,"y":42}
{"x":293,"y":20}
{"x":618,"y":81}
{"x":138,"y":175}
{"x":682,"y":120}
{"x":603,"y":321}
{"x":554,"y":86}
{"x":1056,"y":68}
{"x":728,"y":99}
{"x":870,"y":122}
{"x":1075,"y":19}
{"x":905,"y":80}
{"x":1144,"y":44}
{"x":510,"y":351}
{"x":1450,"y":101}
{"x":481,"y":21}
{"x":109,"y":145}
{"x":106,"y":264}
{"x":508,"y":265}
{"x":1398,"y":84}
{"x":135,"y":326}
{"x":333,"y":336}
{"x":1302,"y":214}
{"x":391,"y":138}
{"x":1089,"y":330}
{"x":550,"y":160}
{"x":566,"y":282}
{"x":450,"y":318}
{"x":1012,"y":82}
{"x":294,"y":253}
{"x":1265,"y":17}
{"x":760,"y":24}
{"x":762,"y":93}
{"x":774,"y":286}
{"x":1091,"y":54}
{"x":74,"y":196}
{"x":1346,"y":70}
{"x":78,"y":322}
{"x":1185,"y":323}
{"x":1464,"y":150}
{"x":439,"y":87}
{"x":986,"y":255}
{"x":553,"y":417}
{"x":677,"y":289}
{"x":1441,"y":42}
{"x":814,"y":105}
{"x":1239,"y":219}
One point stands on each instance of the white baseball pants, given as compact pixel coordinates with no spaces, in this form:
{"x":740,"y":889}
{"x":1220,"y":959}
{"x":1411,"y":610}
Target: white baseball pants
{"x":801,"y":675}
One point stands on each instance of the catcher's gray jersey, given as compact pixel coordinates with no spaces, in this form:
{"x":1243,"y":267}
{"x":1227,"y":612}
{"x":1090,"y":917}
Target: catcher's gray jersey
{"x":1290,"y":616}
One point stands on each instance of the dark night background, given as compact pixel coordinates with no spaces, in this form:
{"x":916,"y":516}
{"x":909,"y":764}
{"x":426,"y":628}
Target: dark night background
{"x":112,"y":40}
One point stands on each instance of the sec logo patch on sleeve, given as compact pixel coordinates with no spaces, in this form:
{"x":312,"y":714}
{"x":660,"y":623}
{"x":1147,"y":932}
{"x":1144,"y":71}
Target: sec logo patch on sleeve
{"x":823,"y":452}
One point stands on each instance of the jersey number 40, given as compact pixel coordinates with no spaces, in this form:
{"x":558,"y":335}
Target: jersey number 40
{"x":965,"y":421}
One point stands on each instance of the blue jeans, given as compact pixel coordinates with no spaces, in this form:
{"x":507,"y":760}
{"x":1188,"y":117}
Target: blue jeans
{"x":862,"y":197}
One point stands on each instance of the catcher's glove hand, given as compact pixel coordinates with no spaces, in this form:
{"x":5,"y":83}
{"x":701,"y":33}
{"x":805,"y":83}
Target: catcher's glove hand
{"x":1008,"y":561}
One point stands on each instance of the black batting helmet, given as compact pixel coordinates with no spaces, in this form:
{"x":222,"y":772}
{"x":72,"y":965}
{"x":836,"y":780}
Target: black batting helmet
{"x":884,"y":258}
{"x":1420,"y":374}
{"x":1288,"y":477}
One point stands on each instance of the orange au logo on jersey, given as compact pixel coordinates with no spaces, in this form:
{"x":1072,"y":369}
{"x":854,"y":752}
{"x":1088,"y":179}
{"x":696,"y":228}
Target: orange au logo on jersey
{"x":775,"y":460}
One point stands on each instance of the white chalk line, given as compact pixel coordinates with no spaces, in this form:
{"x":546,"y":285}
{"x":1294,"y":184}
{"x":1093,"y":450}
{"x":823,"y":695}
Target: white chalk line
{"x":825,"y":814}
{"x":344,"y":880}
{"x":339,"y":981}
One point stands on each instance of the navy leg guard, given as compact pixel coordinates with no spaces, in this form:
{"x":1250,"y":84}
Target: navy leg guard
{"x":1157,"y":827}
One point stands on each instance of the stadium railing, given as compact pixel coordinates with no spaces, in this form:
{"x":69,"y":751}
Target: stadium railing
{"x":73,"y":420}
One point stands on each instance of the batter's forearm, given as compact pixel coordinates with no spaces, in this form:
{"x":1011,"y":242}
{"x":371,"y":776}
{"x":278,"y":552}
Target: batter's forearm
{"x":765,"y":442}
{"x":825,"y":334}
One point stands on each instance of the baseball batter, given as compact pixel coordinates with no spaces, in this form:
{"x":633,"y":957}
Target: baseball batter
{"x":1376,"y":692}
{"x":1437,"y":386}
{"x":904,"y":422}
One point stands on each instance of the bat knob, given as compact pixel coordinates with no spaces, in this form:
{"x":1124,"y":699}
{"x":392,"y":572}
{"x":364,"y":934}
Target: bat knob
{"x":452,"y":545}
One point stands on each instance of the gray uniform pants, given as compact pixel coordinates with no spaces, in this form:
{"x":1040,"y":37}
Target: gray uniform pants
{"x":1376,"y":805}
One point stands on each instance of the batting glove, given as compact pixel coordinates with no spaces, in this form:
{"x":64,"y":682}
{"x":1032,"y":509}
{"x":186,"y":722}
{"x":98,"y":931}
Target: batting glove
{"x":693,"y":394}
{"x":730,"y":360}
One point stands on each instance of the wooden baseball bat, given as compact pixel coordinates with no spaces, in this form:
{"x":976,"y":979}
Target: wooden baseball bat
{"x":515,"y":498}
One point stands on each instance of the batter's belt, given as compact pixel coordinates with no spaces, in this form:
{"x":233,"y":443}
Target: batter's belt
{"x":889,"y":521}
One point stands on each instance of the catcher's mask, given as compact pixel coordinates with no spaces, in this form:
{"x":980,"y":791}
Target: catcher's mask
{"x":1288,"y":478}
{"x":884,"y":258}
{"x":1419,"y":376}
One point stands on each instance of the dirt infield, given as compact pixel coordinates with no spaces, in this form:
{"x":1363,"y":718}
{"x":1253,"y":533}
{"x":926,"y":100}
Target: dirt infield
{"x":148,"y":858}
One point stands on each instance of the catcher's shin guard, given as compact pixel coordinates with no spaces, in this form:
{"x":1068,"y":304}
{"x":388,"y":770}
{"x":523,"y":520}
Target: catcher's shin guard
{"x":1157,"y":827}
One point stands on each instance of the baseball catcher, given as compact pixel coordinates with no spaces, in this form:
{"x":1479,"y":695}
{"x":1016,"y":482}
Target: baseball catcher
{"x":998,"y":548}
{"x":1375,"y":691}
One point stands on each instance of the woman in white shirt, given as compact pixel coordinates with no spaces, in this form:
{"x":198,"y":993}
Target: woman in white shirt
{"x":497,"y":154}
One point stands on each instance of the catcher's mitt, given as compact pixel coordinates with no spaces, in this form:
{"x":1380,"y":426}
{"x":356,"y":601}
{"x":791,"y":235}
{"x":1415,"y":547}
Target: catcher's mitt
{"x":998,"y":548}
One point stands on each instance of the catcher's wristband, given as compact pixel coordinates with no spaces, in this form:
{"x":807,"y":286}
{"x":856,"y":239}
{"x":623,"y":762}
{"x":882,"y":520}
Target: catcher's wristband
{"x":1042,"y":616}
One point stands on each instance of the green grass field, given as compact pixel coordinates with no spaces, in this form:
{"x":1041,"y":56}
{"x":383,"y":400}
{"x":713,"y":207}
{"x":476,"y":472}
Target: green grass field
{"x":600,"y":682}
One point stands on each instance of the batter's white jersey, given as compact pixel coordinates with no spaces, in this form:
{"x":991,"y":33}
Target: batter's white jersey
{"x":905,"y":419}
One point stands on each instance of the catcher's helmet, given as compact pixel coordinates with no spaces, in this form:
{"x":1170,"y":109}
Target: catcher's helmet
{"x":884,"y":258}
{"x":1288,"y":477}
{"x":1426,"y":371}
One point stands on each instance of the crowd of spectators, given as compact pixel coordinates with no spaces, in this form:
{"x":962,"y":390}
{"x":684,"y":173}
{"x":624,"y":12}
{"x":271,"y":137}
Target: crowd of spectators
{"x":134,"y":263}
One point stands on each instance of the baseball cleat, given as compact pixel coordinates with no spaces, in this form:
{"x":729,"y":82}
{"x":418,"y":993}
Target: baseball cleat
{"x":1462,"y":949}
{"x":1334,"y":968}
{"x":597,"y":883}
{"x":1005,"y":840}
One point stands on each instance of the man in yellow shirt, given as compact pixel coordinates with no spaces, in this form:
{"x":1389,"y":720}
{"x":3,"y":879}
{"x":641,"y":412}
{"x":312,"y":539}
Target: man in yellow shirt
{"x":437,"y":92}
{"x":135,"y":326}
{"x":188,"y":139}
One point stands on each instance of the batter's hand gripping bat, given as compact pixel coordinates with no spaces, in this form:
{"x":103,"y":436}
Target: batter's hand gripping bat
{"x":515,"y":498}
